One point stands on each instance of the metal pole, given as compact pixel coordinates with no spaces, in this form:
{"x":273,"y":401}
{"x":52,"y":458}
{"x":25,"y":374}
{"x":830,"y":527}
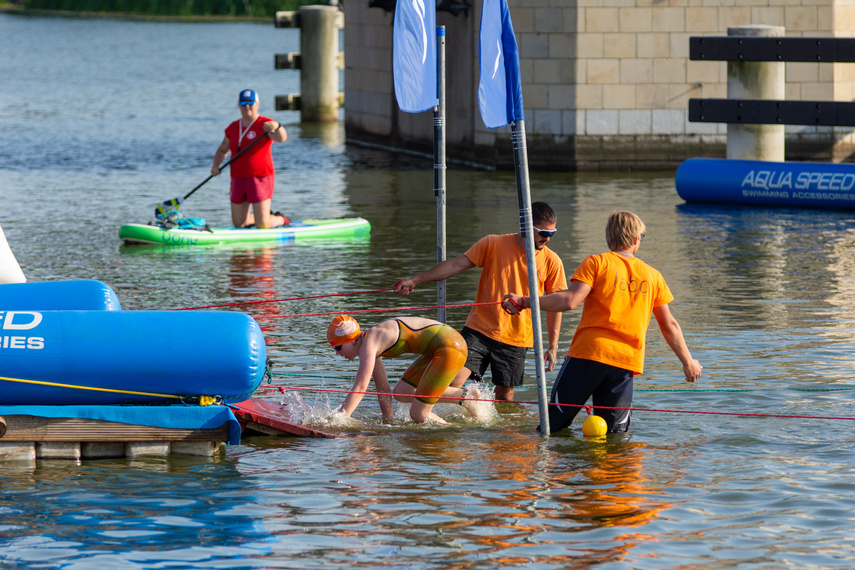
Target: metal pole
{"x":439,"y":165}
{"x":526,"y":225}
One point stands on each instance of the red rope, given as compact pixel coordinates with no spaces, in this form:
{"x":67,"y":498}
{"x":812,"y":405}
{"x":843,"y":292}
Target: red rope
{"x":283,"y":389}
{"x":280,"y":300}
{"x":374,"y":310}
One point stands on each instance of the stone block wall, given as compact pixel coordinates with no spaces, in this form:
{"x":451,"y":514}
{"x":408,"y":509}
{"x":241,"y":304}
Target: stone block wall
{"x":606,"y":83}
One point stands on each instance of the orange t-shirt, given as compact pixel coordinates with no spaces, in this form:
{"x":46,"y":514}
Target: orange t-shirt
{"x":504,"y":270}
{"x":616,"y":313}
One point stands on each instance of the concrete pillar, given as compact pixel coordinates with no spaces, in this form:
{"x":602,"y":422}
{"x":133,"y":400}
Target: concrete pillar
{"x":756,"y":80}
{"x":203,"y":448}
{"x":18,"y":451}
{"x":102,"y":450}
{"x":146,"y":448}
{"x":319,"y":98}
{"x":58,"y":450}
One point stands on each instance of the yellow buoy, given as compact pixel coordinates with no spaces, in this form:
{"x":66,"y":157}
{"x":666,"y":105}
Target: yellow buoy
{"x":594,"y":426}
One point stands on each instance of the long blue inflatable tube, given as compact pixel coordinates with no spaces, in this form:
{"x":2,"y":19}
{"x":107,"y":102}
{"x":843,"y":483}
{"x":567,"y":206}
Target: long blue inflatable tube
{"x":72,"y":295}
{"x":159,"y":353}
{"x":795,"y":184}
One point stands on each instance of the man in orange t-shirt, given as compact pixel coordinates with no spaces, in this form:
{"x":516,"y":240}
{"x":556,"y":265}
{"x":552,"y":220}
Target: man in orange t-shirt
{"x":620,"y":292}
{"x":495,"y":338}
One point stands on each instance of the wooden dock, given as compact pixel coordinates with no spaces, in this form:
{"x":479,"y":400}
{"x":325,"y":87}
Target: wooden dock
{"x":30,"y":437}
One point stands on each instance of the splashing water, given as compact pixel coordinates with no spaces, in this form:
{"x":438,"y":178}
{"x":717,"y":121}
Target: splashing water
{"x":316,"y":413}
{"x":320,"y":412}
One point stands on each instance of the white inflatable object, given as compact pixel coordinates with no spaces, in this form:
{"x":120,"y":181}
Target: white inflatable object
{"x":10,"y":271}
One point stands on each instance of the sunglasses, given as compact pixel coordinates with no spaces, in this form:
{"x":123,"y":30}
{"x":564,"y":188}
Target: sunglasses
{"x":247,"y":103}
{"x":640,"y":238}
{"x":545,"y":233}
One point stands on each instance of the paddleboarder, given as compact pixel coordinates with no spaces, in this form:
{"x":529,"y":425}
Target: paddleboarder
{"x":494,"y":338}
{"x":620,"y":292}
{"x":441,"y":353}
{"x":253,"y":173}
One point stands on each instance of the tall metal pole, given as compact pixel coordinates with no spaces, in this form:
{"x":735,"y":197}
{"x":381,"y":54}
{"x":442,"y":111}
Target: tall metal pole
{"x":526,"y":227}
{"x":439,"y":165}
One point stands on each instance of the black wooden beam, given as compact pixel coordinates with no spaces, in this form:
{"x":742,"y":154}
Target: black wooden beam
{"x":748,"y":48}
{"x":765,"y":112}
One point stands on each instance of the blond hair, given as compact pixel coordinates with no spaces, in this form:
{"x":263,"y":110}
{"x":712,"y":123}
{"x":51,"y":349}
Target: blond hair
{"x":622,"y":229}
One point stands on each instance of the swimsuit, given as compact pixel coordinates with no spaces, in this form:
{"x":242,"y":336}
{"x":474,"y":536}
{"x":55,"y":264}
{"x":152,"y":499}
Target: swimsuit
{"x":442,"y":353}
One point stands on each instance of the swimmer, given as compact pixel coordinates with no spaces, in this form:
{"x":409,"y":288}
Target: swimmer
{"x":441,"y":354}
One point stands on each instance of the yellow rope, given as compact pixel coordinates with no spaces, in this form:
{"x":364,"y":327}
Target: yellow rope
{"x":203,"y":400}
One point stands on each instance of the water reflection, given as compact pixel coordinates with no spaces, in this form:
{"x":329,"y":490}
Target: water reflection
{"x":89,"y":513}
{"x":510,"y":499}
{"x":252,"y":279}
{"x":780,"y":269}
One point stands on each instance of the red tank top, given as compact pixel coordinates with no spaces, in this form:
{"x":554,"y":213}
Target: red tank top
{"x":257,"y":161}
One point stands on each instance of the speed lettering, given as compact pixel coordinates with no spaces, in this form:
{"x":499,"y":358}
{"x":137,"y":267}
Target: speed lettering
{"x":20,"y":320}
{"x":631,"y":286}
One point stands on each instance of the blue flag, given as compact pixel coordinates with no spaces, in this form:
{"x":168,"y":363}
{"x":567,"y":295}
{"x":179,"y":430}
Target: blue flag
{"x":414,"y":55}
{"x":500,"y":88}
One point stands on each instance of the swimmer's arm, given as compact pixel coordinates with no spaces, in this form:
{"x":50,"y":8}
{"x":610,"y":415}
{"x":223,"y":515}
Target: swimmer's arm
{"x":360,"y":385}
{"x":381,"y":383}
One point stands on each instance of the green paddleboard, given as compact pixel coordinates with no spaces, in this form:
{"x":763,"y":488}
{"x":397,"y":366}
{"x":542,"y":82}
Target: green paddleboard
{"x":295,"y":231}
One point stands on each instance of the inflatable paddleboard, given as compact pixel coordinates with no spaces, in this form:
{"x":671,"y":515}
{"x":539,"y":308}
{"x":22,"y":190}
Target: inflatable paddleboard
{"x":295,"y":231}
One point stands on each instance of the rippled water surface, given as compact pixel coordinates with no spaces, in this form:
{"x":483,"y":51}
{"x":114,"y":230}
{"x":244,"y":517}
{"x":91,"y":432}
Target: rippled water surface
{"x":101,"y":119}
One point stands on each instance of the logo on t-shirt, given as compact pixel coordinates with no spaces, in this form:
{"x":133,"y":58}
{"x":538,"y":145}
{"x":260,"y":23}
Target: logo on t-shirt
{"x":250,"y":135}
{"x":632,"y":285}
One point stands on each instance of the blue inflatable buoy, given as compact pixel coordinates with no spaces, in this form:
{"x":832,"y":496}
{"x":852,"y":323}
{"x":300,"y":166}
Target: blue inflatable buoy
{"x":72,"y":295}
{"x":117,"y":357}
{"x":760,"y":183}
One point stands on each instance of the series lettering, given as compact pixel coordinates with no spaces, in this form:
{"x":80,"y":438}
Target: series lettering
{"x":20,"y":321}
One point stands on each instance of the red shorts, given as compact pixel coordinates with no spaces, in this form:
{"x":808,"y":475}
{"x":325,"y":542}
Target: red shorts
{"x":253,"y":190}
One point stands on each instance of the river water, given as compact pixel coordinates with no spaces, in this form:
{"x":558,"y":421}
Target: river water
{"x":101,"y":119}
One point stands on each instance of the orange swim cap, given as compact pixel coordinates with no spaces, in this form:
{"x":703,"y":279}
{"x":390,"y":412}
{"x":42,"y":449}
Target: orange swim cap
{"x":342,"y":330}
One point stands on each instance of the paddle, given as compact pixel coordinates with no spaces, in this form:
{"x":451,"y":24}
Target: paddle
{"x":172,"y":205}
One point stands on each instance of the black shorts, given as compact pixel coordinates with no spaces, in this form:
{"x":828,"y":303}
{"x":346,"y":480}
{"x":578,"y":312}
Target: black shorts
{"x":506,"y":362}
{"x":580,"y":379}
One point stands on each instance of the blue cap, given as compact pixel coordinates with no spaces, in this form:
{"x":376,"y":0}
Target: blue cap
{"x":248,"y":95}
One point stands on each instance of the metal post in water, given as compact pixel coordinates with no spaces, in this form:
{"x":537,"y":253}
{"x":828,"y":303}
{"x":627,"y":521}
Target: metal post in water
{"x":526,"y":225}
{"x":439,"y":165}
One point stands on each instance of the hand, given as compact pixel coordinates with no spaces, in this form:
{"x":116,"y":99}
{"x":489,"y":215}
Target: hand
{"x":270,"y":126}
{"x":215,"y":170}
{"x":692,"y":370}
{"x":550,"y":358}
{"x":404,"y":287}
{"x":512,"y":304}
